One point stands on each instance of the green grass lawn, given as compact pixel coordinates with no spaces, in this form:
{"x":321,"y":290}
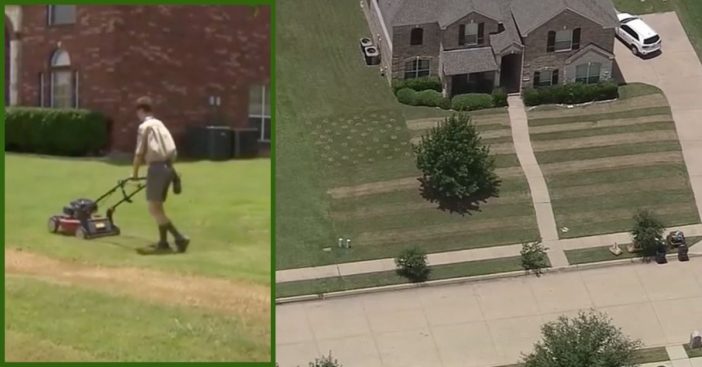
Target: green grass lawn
{"x":589,"y":156}
{"x":41,"y":324}
{"x":336,"y":284}
{"x":333,"y":137}
{"x":224,"y":208}
{"x":641,"y":356}
{"x":693,"y":353}
{"x":598,"y":254}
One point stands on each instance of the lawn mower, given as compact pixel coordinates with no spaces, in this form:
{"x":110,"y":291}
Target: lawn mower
{"x":80,"y":218}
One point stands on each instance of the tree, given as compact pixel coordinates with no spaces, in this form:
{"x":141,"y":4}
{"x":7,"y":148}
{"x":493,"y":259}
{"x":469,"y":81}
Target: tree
{"x":586,"y":340}
{"x":647,"y":232}
{"x":534,"y":256}
{"x":457,"y":168}
{"x":325,"y":361}
{"x":412,"y":264}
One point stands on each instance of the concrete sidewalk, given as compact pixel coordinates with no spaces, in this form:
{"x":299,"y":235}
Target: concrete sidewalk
{"x":450,"y":257}
{"x":489,"y":323}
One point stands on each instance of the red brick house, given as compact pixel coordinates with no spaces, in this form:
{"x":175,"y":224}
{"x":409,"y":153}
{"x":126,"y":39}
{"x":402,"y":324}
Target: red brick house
{"x":200,"y":64}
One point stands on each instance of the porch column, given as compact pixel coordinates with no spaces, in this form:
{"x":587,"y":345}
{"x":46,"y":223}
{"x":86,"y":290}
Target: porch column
{"x":15,"y":48}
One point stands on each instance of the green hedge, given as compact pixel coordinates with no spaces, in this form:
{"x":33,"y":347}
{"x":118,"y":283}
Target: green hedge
{"x":571,"y":93}
{"x":429,"y":98}
{"x":418,"y":84}
{"x":472,"y":101}
{"x":54,"y":131}
{"x":499,"y":97}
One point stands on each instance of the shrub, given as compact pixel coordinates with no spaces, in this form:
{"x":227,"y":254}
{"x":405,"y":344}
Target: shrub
{"x":499,"y":97}
{"x":54,"y":131}
{"x":589,"y":339}
{"x":432,"y":98}
{"x":325,"y":361}
{"x":570,"y":93}
{"x":534,"y":257}
{"x":418,"y":84}
{"x":407,"y":96}
{"x":472,"y":101}
{"x":647,"y":232}
{"x":412,"y":264}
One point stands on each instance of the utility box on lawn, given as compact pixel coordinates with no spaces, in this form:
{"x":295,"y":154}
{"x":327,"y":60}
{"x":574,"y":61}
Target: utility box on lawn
{"x":210,"y":142}
{"x":245,"y":143}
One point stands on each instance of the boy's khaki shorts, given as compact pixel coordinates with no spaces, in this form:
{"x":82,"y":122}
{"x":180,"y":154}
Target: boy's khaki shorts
{"x":158,"y":180}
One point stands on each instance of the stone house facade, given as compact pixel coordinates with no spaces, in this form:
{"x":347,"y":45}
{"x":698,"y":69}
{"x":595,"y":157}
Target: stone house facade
{"x":200,"y":64}
{"x":478,"y":45}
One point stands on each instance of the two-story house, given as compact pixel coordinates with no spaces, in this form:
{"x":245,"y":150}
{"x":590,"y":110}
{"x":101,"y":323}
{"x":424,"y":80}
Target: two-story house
{"x":200,"y":64}
{"x":477,"y":45}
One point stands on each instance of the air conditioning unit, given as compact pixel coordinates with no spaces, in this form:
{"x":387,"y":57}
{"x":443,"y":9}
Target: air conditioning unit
{"x":366,"y":42}
{"x":372,"y":55}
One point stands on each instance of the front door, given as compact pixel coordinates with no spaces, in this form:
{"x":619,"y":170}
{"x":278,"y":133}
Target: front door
{"x":510,"y":73}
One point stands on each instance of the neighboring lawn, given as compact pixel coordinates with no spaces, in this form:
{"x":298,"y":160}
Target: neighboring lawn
{"x":604,"y":161}
{"x":224,"y":208}
{"x":336,"y":284}
{"x":644,"y":6}
{"x":693,"y":353}
{"x":339,"y":126}
{"x":52,"y":322}
{"x":598,"y":254}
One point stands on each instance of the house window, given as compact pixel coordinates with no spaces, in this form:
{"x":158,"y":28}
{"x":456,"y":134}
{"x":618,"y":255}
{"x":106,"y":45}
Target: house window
{"x":545,"y":78}
{"x":417,"y":68}
{"x":62,"y":14}
{"x":471,"y":34}
{"x":588,"y":73}
{"x":563,"y":40}
{"x":63,"y":82}
{"x":260,"y":110}
{"x":417,"y":36}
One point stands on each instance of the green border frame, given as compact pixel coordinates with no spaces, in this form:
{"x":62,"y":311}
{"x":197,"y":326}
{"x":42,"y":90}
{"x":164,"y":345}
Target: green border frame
{"x":272,"y":36}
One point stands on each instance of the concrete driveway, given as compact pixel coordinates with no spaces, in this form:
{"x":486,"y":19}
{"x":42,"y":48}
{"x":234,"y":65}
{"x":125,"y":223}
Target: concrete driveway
{"x":678,"y":72}
{"x":488,"y":323}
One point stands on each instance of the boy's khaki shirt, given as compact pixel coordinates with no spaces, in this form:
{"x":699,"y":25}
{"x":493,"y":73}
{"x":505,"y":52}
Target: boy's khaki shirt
{"x":154,"y":142}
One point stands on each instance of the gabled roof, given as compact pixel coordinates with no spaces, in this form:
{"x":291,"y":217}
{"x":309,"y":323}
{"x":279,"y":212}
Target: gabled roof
{"x":468,"y":60}
{"x":531,"y":14}
{"x":588,"y":49}
{"x":443,"y":12}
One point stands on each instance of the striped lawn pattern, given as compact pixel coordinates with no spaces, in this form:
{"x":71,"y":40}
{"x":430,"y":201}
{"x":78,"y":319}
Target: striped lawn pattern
{"x":604,"y":161}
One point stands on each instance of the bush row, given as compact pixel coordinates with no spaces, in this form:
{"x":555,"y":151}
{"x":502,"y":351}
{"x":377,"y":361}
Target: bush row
{"x":54,"y":131}
{"x":571,"y":93}
{"x":461,"y":102}
{"x":418,"y":84}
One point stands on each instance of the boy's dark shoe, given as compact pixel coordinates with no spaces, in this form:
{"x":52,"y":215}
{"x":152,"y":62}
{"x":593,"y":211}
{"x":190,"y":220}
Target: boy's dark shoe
{"x":182,"y":244}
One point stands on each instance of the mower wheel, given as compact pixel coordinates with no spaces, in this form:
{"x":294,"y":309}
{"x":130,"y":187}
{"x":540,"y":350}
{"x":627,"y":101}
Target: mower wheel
{"x":53,"y":224}
{"x":80,"y":233}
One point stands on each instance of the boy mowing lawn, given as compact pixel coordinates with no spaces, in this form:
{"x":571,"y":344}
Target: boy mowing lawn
{"x":155,"y":147}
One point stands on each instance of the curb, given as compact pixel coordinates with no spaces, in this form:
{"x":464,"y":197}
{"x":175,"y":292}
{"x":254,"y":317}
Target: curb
{"x":470,"y":279}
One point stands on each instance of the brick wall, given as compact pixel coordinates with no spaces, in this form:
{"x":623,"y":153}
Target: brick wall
{"x":179,"y":55}
{"x":451,"y":33}
{"x":402,"y":51}
{"x":535,"y":55}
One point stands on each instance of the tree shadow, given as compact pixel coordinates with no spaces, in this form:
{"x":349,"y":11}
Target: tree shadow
{"x":468,"y":205}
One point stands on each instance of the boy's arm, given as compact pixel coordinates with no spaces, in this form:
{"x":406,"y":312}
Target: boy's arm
{"x":140,"y":151}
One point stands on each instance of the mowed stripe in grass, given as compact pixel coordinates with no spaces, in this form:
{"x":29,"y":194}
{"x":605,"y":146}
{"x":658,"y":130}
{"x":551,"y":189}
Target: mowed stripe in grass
{"x":612,"y":163}
{"x":133,"y":331}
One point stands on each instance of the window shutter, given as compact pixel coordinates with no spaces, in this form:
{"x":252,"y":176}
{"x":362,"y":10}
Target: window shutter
{"x":462,"y":35}
{"x":42,"y":90}
{"x":576,"y":38}
{"x":537,"y":78}
{"x":75,"y":89}
{"x":554,"y":77}
{"x":481,"y":33}
{"x":551,"y":46}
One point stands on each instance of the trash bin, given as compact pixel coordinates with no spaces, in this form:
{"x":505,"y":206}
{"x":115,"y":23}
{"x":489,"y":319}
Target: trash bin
{"x":210,"y":142}
{"x":661,"y":253}
{"x":682,"y":253}
{"x":245,"y":144}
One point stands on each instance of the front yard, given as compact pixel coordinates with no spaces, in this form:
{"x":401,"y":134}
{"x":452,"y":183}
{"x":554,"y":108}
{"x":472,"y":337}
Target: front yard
{"x":603,"y":161}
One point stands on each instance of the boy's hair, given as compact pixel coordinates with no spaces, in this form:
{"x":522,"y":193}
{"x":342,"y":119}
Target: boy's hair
{"x":144,"y":104}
